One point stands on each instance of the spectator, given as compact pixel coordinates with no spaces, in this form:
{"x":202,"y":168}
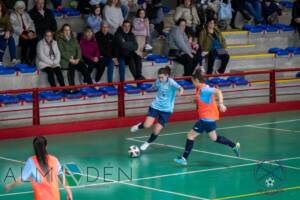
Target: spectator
{"x":254,"y":8}
{"x":71,"y":55}
{"x":141,"y":31}
{"x":112,"y":14}
{"x":125,"y":50}
{"x":6,"y":38}
{"x":94,"y":19}
{"x":188,"y":11}
{"x":43,"y":18}
{"x":206,"y":9}
{"x":90,"y":53}
{"x":155,"y":14}
{"x":105,"y":44}
{"x":212,"y":41}
{"x":270,"y":11}
{"x":296,"y":15}
{"x":48,"y":59}
{"x":238,"y":6}
{"x":24,"y":33}
{"x":180,"y":47}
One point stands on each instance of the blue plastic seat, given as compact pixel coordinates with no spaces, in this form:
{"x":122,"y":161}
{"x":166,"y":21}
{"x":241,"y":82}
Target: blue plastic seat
{"x":152,"y":57}
{"x":282,"y":52}
{"x":298,"y":75}
{"x":161,"y":60}
{"x":274,"y":50}
{"x":91,"y":92}
{"x":27,"y":97}
{"x":237,"y":80}
{"x":51,"y":96}
{"x":291,"y":49}
{"x":248,"y":27}
{"x":256,"y":30}
{"x":224,"y":83}
{"x":56,"y":13}
{"x":144,"y":86}
{"x":288,"y":28}
{"x":9,"y":99}
{"x":242,"y":81}
{"x":109,"y":90}
{"x":186,"y":84}
{"x":77,"y":95}
{"x":271,"y":29}
{"x":23,"y":68}
{"x":7,"y":70}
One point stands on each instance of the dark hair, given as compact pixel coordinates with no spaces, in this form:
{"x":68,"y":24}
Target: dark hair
{"x":179,"y":21}
{"x":88,"y":28}
{"x":165,"y":70}
{"x":3,"y":8}
{"x":48,"y":31}
{"x":126,"y":22}
{"x":138,"y":12}
{"x":64,"y":26}
{"x":209,"y":20}
{"x":109,"y":2}
{"x":197,"y":75}
{"x":39,"y":145}
{"x":94,"y":8}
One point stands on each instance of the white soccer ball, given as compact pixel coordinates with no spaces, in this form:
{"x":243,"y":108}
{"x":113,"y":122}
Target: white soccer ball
{"x":133,"y":151}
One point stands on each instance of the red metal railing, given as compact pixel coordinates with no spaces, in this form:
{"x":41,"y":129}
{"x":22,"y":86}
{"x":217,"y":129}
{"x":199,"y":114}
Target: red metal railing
{"x":36,"y":117}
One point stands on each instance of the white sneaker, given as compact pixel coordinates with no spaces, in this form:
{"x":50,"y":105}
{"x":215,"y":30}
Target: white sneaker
{"x":135,"y":128}
{"x":148,"y":47}
{"x":15,"y":61}
{"x":144,"y":146}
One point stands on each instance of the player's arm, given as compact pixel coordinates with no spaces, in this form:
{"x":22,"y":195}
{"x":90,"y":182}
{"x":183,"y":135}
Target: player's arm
{"x":219,"y":95}
{"x":180,"y":91}
{"x":62,"y":175}
{"x":8,"y":187}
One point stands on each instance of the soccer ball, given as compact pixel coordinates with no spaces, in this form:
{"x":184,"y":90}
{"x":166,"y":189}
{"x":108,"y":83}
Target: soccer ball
{"x":133,"y":151}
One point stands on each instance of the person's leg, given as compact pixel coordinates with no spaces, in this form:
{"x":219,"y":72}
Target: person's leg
{"x":71,"y":74}
{"x":224,"y":61}
{"x":24,"y":49}
{"x":50,"y":74}
{"x":125,"y":10}
{"x":59,"y":76}
{"x":151,"y":116}
{"x":131,"y":64}
{"x":100,"y":70}
{"x":138,"y":66}
{"x":187,"y":63}
{"x":3,"y":46}
{"x":211,"y":56}
{"x":110,"y":68}
{"x":89,"y":63}
{"x":122,"y":69}
{"x":258,"y":8}
{"x":141,"y":40}
{"x":84,"y":71}
{"x":12,"y":48}
{"x":32,"y":50}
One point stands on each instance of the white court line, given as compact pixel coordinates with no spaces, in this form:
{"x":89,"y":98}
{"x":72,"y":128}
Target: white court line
{"x":218,"y":154}
{"x":286,"y":131}
{"x":224,"y":128}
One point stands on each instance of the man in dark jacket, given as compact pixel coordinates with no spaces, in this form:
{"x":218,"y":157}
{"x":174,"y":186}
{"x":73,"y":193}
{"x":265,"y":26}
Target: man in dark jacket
{"x":105,"y":44}
{"x":125,"y":46}
{"x":43,"y":18}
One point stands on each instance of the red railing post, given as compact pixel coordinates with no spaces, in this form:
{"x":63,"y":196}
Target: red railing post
{"x":272,"y":86}
{"x":121,"y":100}
{"x":35,"y":107}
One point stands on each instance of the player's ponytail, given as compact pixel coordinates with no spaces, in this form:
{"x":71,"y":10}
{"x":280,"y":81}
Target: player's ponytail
{"x":165,"y":70}
{"x":197,"y":75}
{"x":39,"y":145}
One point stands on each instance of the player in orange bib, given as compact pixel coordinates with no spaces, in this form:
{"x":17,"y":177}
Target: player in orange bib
{"x":43,"y":171}
{"x":208,"y":112}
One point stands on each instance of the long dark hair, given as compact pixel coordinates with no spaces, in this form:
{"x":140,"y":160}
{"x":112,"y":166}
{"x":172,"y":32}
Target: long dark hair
{"x":138,"y":12}
{"x":165,"y":71}
{"x":39,"y":145}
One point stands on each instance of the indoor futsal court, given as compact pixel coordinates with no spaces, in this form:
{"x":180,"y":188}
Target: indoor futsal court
{"x":267,"y":169}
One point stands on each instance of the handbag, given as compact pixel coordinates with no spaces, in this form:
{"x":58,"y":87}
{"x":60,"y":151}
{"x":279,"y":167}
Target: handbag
{"x":225,"y":11}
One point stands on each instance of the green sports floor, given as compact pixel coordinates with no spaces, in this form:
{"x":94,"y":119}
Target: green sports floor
{"x":269,"y":166}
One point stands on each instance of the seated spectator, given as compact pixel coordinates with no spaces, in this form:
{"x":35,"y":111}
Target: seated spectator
{"x":90,"y":53}
{"x":212,"y":41}
{"x":43,"y":18}
{"x":6,"y":38}
{"x":105,"y":44}
{"x":254,"y":8}
{"x":141,"y":31}
{"x":71,"y":55}
{"x":271,"y":11}
{"x":188,"y":11}
{"x":155,"y":14}
{"x":238,"y":6}
{"x":24,"y":33}
{"x":206,"y":9}
{"x":125,"y":46}
{"x":94,"y":19}
{"x":48,"y":59}
{"x":296,"y":15}
{"x":112,"y":14}
{"x":182,"y":49}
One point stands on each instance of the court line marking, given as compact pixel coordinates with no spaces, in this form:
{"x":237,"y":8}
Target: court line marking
{"x":224,"y":128}
{"x":287,"y":131}
{"x":222,"y":155}
{"x":258,"y":193}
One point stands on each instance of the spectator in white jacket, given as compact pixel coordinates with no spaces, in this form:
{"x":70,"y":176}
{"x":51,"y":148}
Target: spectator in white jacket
{"x":48,"y":59}
{"x":112,"y":14}
{"x":24,"y":32}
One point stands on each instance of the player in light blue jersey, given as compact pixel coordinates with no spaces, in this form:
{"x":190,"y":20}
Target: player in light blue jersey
{"x":162,"y":106}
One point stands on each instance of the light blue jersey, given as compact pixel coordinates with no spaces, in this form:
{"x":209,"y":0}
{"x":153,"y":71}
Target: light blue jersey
{"x":30,"y":171}
{"x":166,"y":94}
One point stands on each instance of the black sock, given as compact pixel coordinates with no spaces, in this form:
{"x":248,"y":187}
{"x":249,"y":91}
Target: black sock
{"x":188,"y":148}
{"x":152,"y":138}
{"x":225,"y":141}
{"x":141,"y":125}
